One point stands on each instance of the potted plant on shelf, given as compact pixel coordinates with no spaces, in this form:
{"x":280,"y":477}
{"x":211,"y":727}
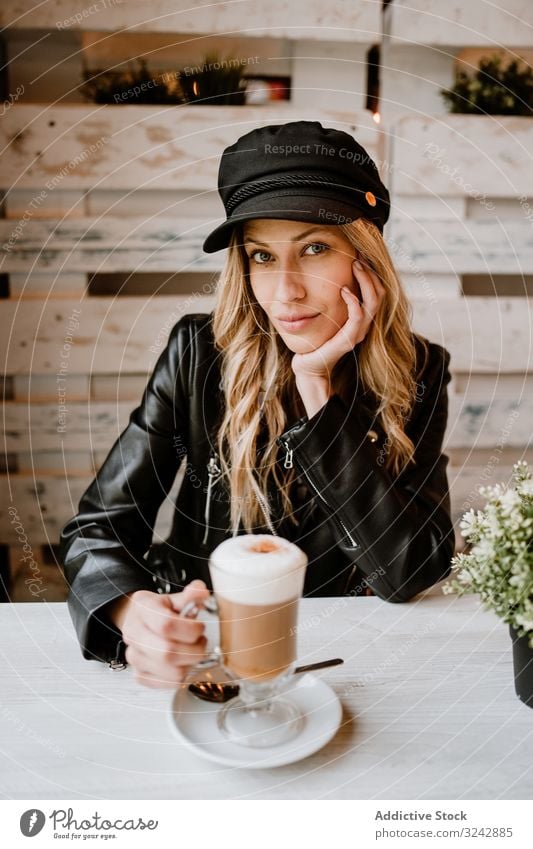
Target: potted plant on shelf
{"x":132,"y":85}
{"x":495,"y":88}
{"x":499,"y":565}
{"x":216,"y":81}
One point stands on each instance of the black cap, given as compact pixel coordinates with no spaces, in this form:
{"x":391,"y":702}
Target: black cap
{"x":300,"y":171}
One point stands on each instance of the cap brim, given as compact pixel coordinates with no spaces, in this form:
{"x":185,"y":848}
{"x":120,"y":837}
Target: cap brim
{"x":292,"y":207}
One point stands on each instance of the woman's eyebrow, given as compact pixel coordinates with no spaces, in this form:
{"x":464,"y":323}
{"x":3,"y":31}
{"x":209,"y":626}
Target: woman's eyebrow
{"x":305,"y":233}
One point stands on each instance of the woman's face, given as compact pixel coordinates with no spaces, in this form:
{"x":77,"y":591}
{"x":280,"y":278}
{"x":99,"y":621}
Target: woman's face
{"x":297,"y":270}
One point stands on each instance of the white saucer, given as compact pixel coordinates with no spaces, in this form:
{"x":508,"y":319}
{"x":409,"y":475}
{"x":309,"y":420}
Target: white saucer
{"x":194,"y":722}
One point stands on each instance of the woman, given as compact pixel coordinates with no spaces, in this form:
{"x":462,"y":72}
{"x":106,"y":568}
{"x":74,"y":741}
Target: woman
{"x":304,"y":405}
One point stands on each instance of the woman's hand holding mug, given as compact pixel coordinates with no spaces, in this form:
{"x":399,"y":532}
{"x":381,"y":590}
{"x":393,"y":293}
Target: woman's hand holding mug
{"x":161,"y":644}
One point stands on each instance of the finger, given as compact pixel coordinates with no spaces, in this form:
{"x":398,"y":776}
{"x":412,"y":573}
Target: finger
{"x":166,"y":623}
{"x":151,"y":643}
{"x":365,"y":268}
{"x":148,"y":609}
{"x":167,"y":657}
{"x":154,"y":606}
{"x":178,"y":629}
{"x":141,"y":639}
{"x":362,"y":266}
{"x":350,"y":332}
{"x":160,"y":682}
{"x":195,"y":591}
{"x":154,"y":626}
{"x":360,"y":313}
{"x":371,"y":296}
{"x":351,"y":298}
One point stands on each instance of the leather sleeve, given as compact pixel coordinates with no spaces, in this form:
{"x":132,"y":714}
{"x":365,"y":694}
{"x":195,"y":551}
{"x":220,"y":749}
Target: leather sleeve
{"x":102,"y":547}
{"x":397,"y":530}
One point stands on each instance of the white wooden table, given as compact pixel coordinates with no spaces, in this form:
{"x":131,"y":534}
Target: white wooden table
{"x":427,"y":691}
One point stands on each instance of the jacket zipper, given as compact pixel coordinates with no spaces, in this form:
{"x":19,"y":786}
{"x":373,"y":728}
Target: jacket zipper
{"x":288,"y":464}
{"x":213,"y":471}
{"x":267,"y":514}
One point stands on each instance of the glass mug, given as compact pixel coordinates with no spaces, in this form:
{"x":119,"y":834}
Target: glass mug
{"x":258,"y":582}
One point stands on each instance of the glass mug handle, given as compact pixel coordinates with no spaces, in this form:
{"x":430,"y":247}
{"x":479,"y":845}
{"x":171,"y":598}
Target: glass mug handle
{"x":214,"y":658}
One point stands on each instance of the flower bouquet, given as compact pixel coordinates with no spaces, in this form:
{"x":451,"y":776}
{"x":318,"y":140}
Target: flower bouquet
{"x":499,"y":565}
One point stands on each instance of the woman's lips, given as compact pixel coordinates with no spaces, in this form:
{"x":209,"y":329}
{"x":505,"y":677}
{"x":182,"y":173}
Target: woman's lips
{"x":298,"y":323}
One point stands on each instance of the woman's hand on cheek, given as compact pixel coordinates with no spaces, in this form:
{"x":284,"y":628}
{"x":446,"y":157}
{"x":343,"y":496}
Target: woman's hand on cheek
{"x":320,"y":362}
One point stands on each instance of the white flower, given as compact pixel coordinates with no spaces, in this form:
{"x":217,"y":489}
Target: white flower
{"x":468,"y":520}
{"x":525,"y":622}
{"x":499,"y":564}
{"x":510,"y":499}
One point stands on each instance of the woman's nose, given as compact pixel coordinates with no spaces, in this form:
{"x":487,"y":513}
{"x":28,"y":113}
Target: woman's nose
{"x":289,"y":284}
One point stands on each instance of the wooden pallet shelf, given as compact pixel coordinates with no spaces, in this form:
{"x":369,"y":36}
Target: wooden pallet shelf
{"x":130,"y":192}
{"x":339,"y":20}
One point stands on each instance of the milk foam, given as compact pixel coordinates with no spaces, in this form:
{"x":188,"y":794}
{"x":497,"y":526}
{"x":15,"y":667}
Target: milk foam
{"x":258,"y":569}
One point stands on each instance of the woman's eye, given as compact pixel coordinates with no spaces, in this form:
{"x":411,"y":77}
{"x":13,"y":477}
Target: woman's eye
{"x":319,"y":245}
{"x":254,"y":254}
{"x":263,"y":257}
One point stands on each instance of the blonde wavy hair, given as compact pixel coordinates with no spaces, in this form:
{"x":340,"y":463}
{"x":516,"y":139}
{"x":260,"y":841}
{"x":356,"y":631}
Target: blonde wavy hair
{"x":259,"y":388}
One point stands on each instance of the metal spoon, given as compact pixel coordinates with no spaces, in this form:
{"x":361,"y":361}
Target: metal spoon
{"x":220,"y":691}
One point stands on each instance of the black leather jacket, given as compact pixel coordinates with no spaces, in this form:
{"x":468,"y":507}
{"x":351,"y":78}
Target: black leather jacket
{"x":360,"y":526}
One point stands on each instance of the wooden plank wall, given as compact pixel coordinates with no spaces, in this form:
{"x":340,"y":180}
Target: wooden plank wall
{"x":461,"y":229}
{"x":96,"y":192}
